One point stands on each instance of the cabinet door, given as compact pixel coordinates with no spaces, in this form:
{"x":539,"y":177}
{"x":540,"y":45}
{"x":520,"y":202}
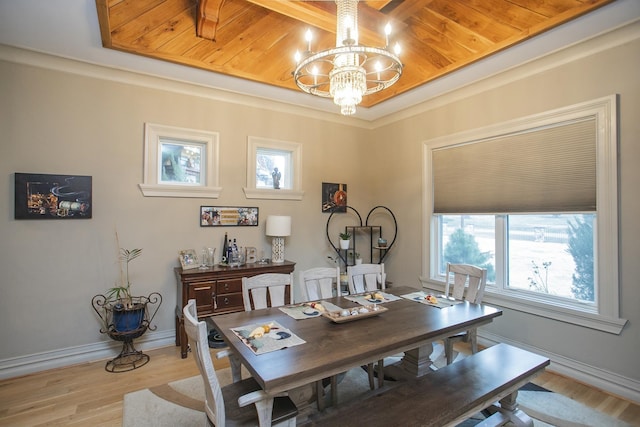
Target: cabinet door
{"x":204,"y":294}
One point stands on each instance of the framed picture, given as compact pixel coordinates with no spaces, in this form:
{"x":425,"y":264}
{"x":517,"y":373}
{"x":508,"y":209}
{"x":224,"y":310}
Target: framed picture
{"x":188,"y":259}
{"x":43,"y":196}
{"x":334,"y":197}
{"x":180,"y":162}
{"x":220,"y":216}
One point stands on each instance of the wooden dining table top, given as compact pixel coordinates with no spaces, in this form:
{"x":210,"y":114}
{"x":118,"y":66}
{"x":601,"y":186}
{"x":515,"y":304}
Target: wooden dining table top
{"x":332,"y":348}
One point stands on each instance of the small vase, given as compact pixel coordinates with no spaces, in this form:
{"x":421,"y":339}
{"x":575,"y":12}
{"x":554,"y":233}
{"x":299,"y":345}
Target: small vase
{"x":358,"y":261}
{"x":344,"y":244}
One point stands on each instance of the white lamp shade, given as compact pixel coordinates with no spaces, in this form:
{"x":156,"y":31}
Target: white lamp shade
{"x":278,"y":225}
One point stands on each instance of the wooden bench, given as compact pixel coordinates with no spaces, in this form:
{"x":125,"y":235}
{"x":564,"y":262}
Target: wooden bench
{"x":449,"y":395}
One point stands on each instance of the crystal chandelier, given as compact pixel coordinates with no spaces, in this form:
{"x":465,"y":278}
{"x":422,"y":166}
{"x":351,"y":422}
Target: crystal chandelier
{"x":348,"y":71}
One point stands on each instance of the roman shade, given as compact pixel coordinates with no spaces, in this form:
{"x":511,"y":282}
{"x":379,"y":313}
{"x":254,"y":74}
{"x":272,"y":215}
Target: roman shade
{"x":545,"y":169}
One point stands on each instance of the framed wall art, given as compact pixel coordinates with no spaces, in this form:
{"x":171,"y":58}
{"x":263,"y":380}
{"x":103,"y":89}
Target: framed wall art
{"x":44,"y":196}
{"x":334,"y":197}
{"x":217,"y":216}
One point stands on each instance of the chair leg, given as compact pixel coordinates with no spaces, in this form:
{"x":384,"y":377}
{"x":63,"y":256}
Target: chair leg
{"x":380,"y":373}
{"x":334,"y":390}
{"x":448,"y":350}
{"x":372,"y":385}
{"x":236,"y":368}
{"x":320,"y":395}
{"x":473,"y":338}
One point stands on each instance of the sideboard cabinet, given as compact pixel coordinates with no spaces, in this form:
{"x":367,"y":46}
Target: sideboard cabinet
{"x":217,"y":290}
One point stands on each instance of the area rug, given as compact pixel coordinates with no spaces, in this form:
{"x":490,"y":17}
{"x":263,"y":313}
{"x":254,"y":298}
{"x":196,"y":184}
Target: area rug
{"x":180,"y":403}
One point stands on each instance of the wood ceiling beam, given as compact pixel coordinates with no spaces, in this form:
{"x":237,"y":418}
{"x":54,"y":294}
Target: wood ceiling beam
{"x":322,"y":14}
{"x":207,"y":18}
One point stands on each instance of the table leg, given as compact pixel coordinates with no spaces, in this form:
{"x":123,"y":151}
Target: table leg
{"x":415,"y":363}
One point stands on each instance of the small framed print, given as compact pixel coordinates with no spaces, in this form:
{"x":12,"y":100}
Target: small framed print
{"x":217,"y":216}
{"x":334,"y":197}
{"x":188,"y":259}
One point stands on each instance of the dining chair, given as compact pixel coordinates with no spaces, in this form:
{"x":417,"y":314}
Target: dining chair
{"x":320,"y":283}
{"x":366,"y":277}
{"x":239,"y":403}
{"x":262,"y":291}
{"x":464,"y":282}
{"x":266,"y":290}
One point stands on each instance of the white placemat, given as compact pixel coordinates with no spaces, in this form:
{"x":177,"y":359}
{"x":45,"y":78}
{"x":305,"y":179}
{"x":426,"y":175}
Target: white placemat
{"x":306,"y":310}
{"x":362,"y":300}
{"x":277,"y":338}
{"x":419,"y":297}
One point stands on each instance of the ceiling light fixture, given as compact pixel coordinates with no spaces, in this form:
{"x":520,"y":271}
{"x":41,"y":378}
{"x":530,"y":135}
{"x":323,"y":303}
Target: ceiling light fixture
{"x":348,"y":71}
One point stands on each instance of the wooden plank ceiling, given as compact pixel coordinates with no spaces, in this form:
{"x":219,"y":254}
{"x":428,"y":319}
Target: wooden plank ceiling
{"x":256,"y":39}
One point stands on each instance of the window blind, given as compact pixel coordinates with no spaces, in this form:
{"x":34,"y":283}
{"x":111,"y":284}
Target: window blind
{"x":545,"y":169}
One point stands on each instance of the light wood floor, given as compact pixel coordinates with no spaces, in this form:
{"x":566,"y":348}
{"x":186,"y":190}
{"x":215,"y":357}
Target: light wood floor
{"x":87,"y":395}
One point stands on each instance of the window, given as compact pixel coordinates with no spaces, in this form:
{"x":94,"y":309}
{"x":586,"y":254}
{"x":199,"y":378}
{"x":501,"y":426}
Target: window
{"x":180,"y":162}
{"x":549,"y":254}
{"x":535,"y":202}
{"x":273,"y":169}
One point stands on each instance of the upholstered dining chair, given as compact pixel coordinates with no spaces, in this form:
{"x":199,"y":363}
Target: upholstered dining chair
{"x":239,"y":403}
{"x":320,"y":283}
{"x":366,"y":277}
{"x":464,"y":282}
{"x":266,"y":290}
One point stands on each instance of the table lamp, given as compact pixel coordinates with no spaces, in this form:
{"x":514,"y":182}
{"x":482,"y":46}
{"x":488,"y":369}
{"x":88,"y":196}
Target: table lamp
{"x":278,"y":227}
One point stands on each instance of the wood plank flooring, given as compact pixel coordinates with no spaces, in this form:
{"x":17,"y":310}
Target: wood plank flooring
{"x":87,"y":395}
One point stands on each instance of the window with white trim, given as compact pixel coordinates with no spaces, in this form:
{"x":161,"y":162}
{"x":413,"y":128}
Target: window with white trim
{"x":535,"y":202}
{"x":273,"y":169}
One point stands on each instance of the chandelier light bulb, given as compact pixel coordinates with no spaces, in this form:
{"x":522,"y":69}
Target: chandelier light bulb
{"x":397,"y":49}
{"x":308,"y":36}
{"x":387,"y":33}
{"x":297,"y":57}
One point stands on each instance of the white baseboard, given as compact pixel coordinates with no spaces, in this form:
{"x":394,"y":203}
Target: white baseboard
{"x":627,"y":388}
{"x":23,"y":365}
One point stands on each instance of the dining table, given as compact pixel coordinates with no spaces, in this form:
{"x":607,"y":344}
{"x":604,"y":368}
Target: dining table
{"x":327,"y":347}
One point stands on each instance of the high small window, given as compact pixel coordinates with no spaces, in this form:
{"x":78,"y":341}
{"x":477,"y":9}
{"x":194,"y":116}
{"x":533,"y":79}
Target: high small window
{"x":273,"y":169}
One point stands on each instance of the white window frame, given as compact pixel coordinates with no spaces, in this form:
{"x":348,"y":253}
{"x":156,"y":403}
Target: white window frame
{"x":154,"y":136}
{"x":606,"y":248}
{"x":255,"y":143}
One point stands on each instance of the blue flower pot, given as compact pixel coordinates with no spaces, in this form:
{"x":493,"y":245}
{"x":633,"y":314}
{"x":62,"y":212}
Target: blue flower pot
{"x":128,"y":319}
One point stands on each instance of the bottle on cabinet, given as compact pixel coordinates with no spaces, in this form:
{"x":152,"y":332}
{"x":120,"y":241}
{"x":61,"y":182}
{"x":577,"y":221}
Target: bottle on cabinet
{"x":225,"y":249}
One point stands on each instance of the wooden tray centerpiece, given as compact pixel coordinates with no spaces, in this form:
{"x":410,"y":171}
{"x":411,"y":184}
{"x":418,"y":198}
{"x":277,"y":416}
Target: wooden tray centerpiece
{"x":354,"y":313}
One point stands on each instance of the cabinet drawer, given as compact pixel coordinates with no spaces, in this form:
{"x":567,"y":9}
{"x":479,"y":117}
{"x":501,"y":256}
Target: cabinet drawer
{"x":229,"y":302}
{"x":229,"y":286}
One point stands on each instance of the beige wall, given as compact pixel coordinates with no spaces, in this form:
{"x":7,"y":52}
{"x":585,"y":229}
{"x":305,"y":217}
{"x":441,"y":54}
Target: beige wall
{"x":65,"y":123}
{"x":61,"y":123}
{"x":561,"y":80}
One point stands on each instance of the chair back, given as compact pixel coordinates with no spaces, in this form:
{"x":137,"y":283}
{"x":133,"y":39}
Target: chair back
{"x":320,"y":283}
{"x":198,"y":341}
{"x":366,"y":277}
{"x":461,"y":276}
{"x":266,"y":290}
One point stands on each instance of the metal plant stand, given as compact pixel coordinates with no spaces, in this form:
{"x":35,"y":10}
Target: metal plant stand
{"x":129,"y":358}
